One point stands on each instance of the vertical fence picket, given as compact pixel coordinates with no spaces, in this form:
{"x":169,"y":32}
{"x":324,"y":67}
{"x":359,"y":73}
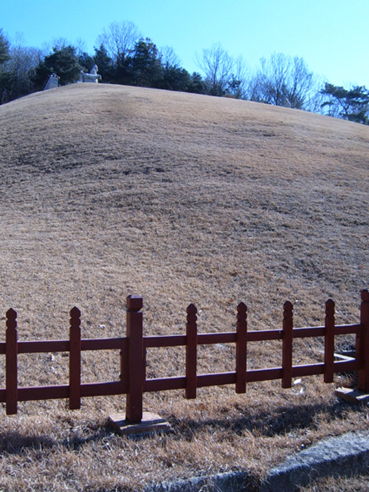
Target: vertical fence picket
{"x":136,"y":368}
{"x":75,"y":359}
{"x":11,"y":366}
{"x":191,"y":352}
{"x":287,"y":345}
{"x":241,"y":348}
{"x":329,"y":341}
{"x":124,"y":364}
{"x":362,"y":346}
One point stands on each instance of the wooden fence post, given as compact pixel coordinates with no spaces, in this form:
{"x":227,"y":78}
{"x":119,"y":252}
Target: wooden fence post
{"x":191,"y":352}
{"x":124,"y":351}
{"x":11,"y":363}
{"x":363,"y":343}
{"x":75,"y":359}
{"x":329,"y":341}
{"x":241,"y":348}
{"x":136,"y":369}
{"x":287,"y":345}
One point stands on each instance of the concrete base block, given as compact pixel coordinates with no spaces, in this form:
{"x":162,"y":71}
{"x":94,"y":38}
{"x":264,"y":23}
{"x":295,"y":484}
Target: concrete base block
{"x":352,"y":395}
{"x":150,"y":422}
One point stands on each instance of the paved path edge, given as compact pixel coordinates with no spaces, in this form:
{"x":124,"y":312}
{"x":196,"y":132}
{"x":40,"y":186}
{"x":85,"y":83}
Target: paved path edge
{"x":344,"y":455}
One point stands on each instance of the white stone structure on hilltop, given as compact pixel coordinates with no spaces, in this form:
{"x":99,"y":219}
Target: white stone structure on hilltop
{"x":93,"y":76}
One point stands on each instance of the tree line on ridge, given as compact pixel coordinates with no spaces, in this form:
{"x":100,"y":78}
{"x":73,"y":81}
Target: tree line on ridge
{"x":124,"y":57}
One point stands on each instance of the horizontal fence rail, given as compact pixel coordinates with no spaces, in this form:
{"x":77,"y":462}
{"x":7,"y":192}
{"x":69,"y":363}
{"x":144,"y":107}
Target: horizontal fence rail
{"x":132,"y":379}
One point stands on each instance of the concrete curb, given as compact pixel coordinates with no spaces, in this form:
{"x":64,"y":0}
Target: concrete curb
{"x":337,"y":456}
{"x":345,"y":455}
{"x":224,"y":482}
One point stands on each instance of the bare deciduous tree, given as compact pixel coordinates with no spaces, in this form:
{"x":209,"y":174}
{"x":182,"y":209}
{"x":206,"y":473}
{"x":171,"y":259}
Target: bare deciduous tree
{"x":20,"y":69}
{"x":168,"y":57}
{"x":217,"y":66}
{"x":240,"y":79}
{"x":301,"y":83}
{"x":273,"y":78}
{"x":283,"y":81}
{"x":119,"y":39}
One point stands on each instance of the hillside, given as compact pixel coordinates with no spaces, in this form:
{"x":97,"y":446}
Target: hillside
{"x":112,"y":187}
{"x":107,"y":191}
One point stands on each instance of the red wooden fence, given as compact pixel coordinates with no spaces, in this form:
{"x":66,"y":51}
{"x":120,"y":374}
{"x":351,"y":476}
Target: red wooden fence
{"x":132,"y":380}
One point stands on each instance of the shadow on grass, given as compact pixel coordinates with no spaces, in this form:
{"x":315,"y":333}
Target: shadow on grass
{"x":269,"y":423}
{"x":15,"y":442}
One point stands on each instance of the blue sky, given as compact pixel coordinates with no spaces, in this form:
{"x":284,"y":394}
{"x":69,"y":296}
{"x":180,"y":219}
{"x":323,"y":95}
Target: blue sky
{"x":331,"y":35}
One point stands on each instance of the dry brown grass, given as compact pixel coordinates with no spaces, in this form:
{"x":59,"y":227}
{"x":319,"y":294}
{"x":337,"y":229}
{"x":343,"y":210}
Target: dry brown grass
{"x":108,"y":191}
{"x":339,"y":484}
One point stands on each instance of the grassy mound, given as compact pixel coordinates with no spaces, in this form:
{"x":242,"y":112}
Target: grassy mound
{"x":108,"y":191}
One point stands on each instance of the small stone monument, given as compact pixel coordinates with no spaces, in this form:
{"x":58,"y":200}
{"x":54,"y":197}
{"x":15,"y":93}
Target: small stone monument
{"x":93,"y":76}
{"x":52,"y":83}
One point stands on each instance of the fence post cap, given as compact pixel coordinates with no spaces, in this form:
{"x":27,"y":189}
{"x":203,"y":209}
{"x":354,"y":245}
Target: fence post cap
{"x":11,"y":314}
{"x":288,"y":306}
{"x":75,"y":312}
{"x":241,"y":308}
{"x":134,"y":303}
{"x":330,"y":303}
{"x":191,"y":309}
